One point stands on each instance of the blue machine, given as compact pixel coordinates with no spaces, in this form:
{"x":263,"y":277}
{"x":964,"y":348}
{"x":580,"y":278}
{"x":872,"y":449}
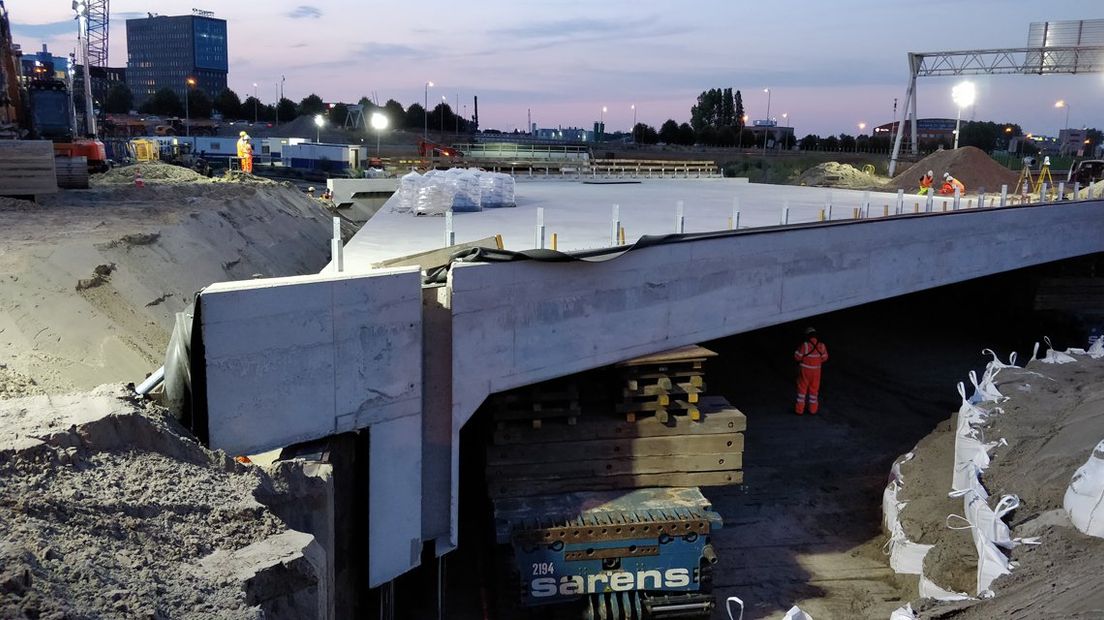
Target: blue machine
{"x":641,"y":553}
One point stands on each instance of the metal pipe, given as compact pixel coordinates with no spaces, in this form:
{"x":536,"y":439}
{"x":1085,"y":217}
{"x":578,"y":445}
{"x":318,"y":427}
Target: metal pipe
{"x":151,"y":382}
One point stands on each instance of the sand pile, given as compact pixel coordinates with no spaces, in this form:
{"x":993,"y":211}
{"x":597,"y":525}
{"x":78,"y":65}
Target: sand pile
{"x":969,"y":164}
{"x":1051,"y":422}
{"x":237,"y":176}
{"x":1097,"y":190}
{"x":835,"y":174}
{"x":110,"y":511}
{"x":90,"y":281}
{"x":153,"y":172}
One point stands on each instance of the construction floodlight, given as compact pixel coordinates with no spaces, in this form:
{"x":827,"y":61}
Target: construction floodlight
{"x":964,"y":94}
{"x":379,"y":121}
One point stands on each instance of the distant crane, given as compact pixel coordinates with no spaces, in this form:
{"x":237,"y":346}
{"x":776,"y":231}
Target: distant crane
{"x":98,"y":23}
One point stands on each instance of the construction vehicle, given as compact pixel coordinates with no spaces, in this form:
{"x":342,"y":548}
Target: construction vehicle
{"x":1086,"y":172}
{"x":597,"y":510}
{"x":44,"y":107}
{"x":145,"y":149}
{"x":427,"y":148}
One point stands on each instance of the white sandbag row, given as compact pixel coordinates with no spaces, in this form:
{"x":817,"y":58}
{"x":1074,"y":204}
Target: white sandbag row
{"x":457,"y":189}
{"x":971,"y":455}
{"x":905,"y":557}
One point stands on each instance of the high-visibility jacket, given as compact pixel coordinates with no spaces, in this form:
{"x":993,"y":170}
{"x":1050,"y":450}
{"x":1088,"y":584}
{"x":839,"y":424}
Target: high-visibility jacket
{"x":243,"y":147}
{"x":811,"y":354}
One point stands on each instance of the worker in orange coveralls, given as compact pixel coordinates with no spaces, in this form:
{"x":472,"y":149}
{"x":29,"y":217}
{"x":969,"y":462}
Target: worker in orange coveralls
{"x":925,"y":183}
{"x":810,"y":356}
{"x":245,"y":152}
{"x":950,"y":184}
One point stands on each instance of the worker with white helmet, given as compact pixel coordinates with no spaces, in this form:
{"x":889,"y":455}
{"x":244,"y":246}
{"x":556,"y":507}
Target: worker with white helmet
{"x":245,"y":152}
{"x":926,"y":183}
{"x":950,"y":184}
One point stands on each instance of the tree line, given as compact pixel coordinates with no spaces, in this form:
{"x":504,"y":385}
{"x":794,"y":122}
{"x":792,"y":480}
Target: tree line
{"x":166,"y":102}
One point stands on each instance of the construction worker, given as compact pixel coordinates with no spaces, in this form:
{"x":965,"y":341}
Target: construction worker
{"x":950,"y":184}
{"x":245,"y":152}
{"x":926,"y":183}
{"x":810,"y":356}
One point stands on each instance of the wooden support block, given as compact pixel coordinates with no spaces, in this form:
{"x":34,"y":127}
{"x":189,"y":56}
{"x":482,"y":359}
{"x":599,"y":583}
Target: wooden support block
{"x":517,"y":488}
{"x":717,"y":416}
{"x":583,"y":449}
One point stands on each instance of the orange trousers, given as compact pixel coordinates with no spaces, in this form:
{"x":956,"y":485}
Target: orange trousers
{"x":247,"y":163}
{"x":808,"y":385}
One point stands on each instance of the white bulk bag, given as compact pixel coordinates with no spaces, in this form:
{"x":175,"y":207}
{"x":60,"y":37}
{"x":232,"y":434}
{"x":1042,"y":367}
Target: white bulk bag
{"x":1084,"y":500}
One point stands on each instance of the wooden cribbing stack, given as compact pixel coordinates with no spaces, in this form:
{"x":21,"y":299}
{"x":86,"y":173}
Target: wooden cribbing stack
{"x":664,"y":384}
{"x":673,"y":436}
{"x":534,"y":404}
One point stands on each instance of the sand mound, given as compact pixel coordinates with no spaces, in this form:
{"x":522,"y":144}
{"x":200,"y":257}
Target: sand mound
{"x":1097,"y":190}
{"x":90,"y":281}
{"x":969,"y":164}
{"x":110,"y":510}
{"x":152,"y":172}
{"x":237,"y":176}
{"x":835,"y":174}
{"x":1051,"y":422}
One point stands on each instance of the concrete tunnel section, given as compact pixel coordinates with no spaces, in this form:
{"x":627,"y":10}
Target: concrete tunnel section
{"x":302,"y":358}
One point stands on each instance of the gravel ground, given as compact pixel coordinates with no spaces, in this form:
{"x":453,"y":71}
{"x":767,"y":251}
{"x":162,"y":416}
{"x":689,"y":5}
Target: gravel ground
{"x":107,"y":508}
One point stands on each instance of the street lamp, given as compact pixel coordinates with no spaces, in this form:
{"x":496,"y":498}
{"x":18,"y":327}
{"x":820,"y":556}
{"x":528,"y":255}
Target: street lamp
{"x":862,"y":126}
{"x":80,"y":7}
{"x":602,"y":124}
{"x":767,"y":126}
{"x":319,"y":120}
{"x":1061,"y":103}
{"x":188,"y":84}
{"x":254,"y":103}
{"x":634,"y":122}
{"x":379,"y":123}
{"x":444,"y":102}
{"x":425,"y":112}
{"x":963,"y":95}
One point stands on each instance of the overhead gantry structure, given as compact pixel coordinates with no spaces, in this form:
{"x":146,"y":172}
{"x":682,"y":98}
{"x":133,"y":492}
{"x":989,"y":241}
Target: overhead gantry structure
{"x":1071,"y":47}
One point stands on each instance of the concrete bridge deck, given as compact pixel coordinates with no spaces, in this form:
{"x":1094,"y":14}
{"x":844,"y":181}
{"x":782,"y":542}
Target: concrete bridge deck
{"x":302,"y":358}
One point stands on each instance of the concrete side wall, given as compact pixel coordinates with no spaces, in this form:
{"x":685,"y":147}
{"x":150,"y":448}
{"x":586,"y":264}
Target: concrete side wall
{"x":519,"y":323}
{"x":344,"y":189}
{"x":296,"y":359}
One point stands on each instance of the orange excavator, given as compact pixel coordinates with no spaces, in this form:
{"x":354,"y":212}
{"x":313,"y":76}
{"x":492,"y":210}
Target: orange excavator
{"x":43,"y":109}
{"x":427,"y":148}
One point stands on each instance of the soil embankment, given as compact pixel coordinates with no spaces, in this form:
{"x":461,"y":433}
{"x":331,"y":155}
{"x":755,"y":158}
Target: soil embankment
{"x":91,"y":280}
{"x":1051,"y":421}
{"x":110,"y":510}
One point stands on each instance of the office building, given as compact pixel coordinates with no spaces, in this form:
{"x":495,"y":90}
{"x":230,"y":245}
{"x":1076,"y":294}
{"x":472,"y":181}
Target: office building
{"x":164,"y":51}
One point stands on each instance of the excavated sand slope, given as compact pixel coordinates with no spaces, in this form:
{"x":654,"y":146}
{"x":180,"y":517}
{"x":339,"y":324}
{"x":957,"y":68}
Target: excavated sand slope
{"x":1052,"y":421}
{"x":90,"y":280}
{"x":109,"y":510}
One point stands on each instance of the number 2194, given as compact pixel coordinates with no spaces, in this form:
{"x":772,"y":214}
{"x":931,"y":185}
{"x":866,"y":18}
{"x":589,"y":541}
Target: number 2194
{"x":544,"y":568}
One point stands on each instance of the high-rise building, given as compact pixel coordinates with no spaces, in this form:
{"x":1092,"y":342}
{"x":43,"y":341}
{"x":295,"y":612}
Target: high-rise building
{"x":164,"y":51}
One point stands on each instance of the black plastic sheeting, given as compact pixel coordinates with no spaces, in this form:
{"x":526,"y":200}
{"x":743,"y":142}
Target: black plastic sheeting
{"x":490,"y":255}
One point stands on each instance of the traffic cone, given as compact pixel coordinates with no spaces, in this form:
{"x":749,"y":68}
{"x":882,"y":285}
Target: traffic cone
{"x":138,"y":181}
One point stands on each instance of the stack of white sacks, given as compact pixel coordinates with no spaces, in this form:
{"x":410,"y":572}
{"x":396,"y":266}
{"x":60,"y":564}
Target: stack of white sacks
{"x":1083,"y":499}
{"x":458,"y":190}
